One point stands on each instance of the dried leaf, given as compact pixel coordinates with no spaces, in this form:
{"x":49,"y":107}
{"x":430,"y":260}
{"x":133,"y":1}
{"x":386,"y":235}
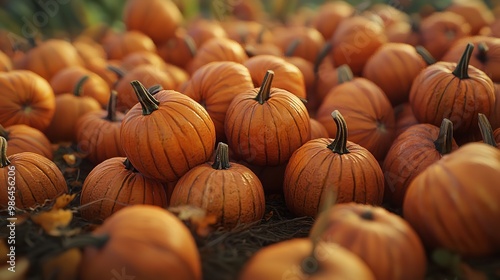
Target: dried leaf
{"x":70,"y":159}
{"x":63,"y":201}
{"x":18,"y":272}
{"x":268,"y":216}
{"x":63,"y":266}
{"x":197,"y":218}
{"x":52,"y":221}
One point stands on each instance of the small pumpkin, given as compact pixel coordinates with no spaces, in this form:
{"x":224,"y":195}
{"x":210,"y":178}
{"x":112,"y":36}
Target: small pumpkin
{"x":184,"y":139}
{"x":330,"y":14}
{"x":404,"y":118}
{"x":29,"y":179}
{"x":247,"y":32}
{"x":132,"y":60}
{"x":324,"y":164}
{"x":217,"y":49}
{"x":27,"y":98}
{"x":326,"y":77}
{"x":147,"y":241}
{"x":309,"y":41}
{"x":5,"y":62}
{"x":128,"y":42}
{"x":476,"y":13}
{"x":306,"y":68}
{"x":266,"y":125}
{"x":178,"y":50}
{"x":202,"y":30}
{"x":23,"y":138}
{"x":228,"y":190}
{"x":317,"y":129}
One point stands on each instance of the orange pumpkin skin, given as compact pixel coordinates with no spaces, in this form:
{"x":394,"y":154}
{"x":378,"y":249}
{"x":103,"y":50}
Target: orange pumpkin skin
{"x":158,"y":19}
{"x":380,"y":238}
{"x":178,"y":50}
{"x":23,"y":138}
{"x":135,"y":59}
{"x":283,"y":261}
{"x":496,"y":135}
{"x":114,"y":184}
{"x":329,"y":16}
{"x":214,"y":86}
{"x":150,"y":242}
{"x":463,"y":183}
{"x":217,"y":49}
{"x":247,"y":32}
{"x":127,"y":43}
{"x":310,"y":41}
{"x":404,"y":118}
{"x":287,"y":76}
{"x":495,"y":116}
{"x":317,"y":129}
{"x":179,"y":145}
{"x":37,"y":179}
{"x":476,"y":13}
{"x":202,"y":30}
{"x":5,"y":62}
{"x":27,"y":99}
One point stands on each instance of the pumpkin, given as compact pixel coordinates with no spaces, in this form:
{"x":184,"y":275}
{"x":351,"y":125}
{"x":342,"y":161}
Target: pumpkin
{"x":489,"y":136}
{"x":404,"y":118}
{"x":330,"y":15}
{"x":184,"y":139}
{"x":306,"y":68}
{"x":326,"y":76}
{"x":227,"y":190}
{"x":355,"y":40}
{"x":439,"y":31}
{"x":403,"y":32}
{"x":5,"y":62}
{"x":27,"y":98}
{"x":98,"y":133}
{"x":394,"y":66}
{"x":271,"y":177}
{"x":127,"y":43}
{"x":217,"y":49}
{"x":476,"y":13}
{"x":413,"y":151}
{"x":485,"y":57}
{"x":214,"y":86}
{"x":389,"y":14}
{"x":317,"y":129}
{"x":367,"y":110}
{"x":325,"y":164}
{"x":456,"y":91}
{"x":380,"y":238}
{"x":309,"y":41}
{"x":288,"y":76}
{"x":69,"y":108}
{"x":158,"y":19}
{"x":23,"y":138}
{"x":143,"y":241}
{"x":202,"y":30}
{"x":30,"y":179}
{"x":135,"y":59}
{"x":49,"y":57}
{"x":266,"y":125}
{"x":247,"y":32}
{"x":114,"y":184}
{"x":178,"y":50}
{"x":101,"y":68}
{"x":95,"y":86}
{"x":255,"y":49}
{"x":88,"y":48}
{"x":453,"y":204}
{"x":495,"y":28}
{"x":495,"y":116}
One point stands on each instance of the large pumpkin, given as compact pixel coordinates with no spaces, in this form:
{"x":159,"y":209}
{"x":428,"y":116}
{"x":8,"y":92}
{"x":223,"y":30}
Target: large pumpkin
{"x":326,"y":164}
{"x":23,"y":138}
{"x":453,"y":204}
{"x":143,"y":241}
{"x":29,"y":179}
{"x":166,"y":135}
{"x":178,"y":50}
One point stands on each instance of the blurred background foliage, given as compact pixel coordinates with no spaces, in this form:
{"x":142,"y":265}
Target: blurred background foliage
{"x":68,"y":18}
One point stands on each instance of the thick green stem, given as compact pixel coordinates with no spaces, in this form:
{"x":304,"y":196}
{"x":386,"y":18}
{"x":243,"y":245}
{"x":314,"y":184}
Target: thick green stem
{"x":111,"y":116}
{"x":426,"y":55}
{"x":265,"y":89}
{"x":482,"y":54}
{"x":155,"y":89}
{"x":78,"y":89}
{"x":344,"y":73}
{"x":339,"y":144}
{"x":148,"y":103}
{"x":4,"y":160}
{"x":324,"y":52}
{"x":486,"y":130}
{"x":462,"y":69}
{"x":444,"y":141}
{"x":290,"y":50}
{"x":221,"y":157}
{"x":4,"y":133}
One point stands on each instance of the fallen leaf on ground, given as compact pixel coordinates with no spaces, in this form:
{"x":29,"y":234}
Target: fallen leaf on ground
{"x":52,"y":221}
{"x":63,"y":201}
{"x":197,"y":217}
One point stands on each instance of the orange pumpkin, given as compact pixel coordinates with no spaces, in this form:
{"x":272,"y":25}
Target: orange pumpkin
{"x":309,"y":41}
{"x":202,"y":30}
{"x":326,"y":77}
{"x":5,"y":62}
{"x":127,"y":43}
{"x":317,"y":129}
{"x":178,"y":50}
{"x":23,"y":138}
{"x":476,"y":13}
{"x":247,"y":32}
{"x":404,"y":118}
{"x":330,"y":15}
{"x":132,"y":60}
{"x":495,"y":116}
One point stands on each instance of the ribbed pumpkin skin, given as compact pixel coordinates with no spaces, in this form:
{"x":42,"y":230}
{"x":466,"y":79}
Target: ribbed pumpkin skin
{"x":386,"y":243}
{"x":233,"y":195}
{"x":215,"y":85}
{"x":110,"y":186}
{"x":217,"y":49}
{"x":404,"y":118}
{"x":266,"y":134}
{"x":314,"y":168}
{"x":453,"y":204}
{"x":287,"y":76}
{"x":37,"y":180}
{"x":173,"y":139}
{"x":410,"y":154}
{"x":437,"y":94}
{"x":317,"y":129}
{"x":23,"y":138}
{"x":20,"y":89}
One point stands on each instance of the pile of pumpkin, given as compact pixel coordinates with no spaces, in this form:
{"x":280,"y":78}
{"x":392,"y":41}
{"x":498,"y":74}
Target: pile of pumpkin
{"x":338,"y":110}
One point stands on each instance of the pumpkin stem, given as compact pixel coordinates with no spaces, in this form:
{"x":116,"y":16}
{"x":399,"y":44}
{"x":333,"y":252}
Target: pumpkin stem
{"x":443,"y":143}
{"x":290,"y":50}
{"x":367,"y":215}
{"x":148,"y":102}
{"x":32,"y":42}
{"x":97,"y":241}
{"x":129,"y":166}
{"x":78,"y":89}
{"x":344,"y":73}
{"x":324,"y":52}
{"x":259,"y":40}
{"x":221,"y":157}
{"x":265,"y":89}
{"x":155,"y":89}
{"x":4,"y":160}
{"x":188,"y":40}
{"x":119,"y":72}
{"x":111,"y":108}
{"x":426,"y":55}
{"x":462,"y":69}
{"x":482,"y":54}
{"x":4,"y":133}
{"x":339,"y":144}
{"x":486,"y":130}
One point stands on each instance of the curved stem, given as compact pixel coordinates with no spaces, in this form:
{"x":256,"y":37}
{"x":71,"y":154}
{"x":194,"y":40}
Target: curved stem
{"x":119,"y":72}
{"x":461,"y":71}
{"x":339,"y":144}
{"x":78,"y":89}
{"x":482,"y":54}
{"x":324,"y":52}
{"x":265,"y":88}
{"x":290,"y":50}
{"x":111,"y":108}
{"x":426,"y":55}
{"x":4,"y":133}
{"x":97,"y":241}
{"x":4,"y":160}
{"x":344,"y":73}
{"x":155,"y":89}
{"x":486,"y":130}
{"x":444,"y":141}
{"x":148,"y":102}
{"x":221,"y":157}
{"x":191,"y":45}
{"x":129,"y":166}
